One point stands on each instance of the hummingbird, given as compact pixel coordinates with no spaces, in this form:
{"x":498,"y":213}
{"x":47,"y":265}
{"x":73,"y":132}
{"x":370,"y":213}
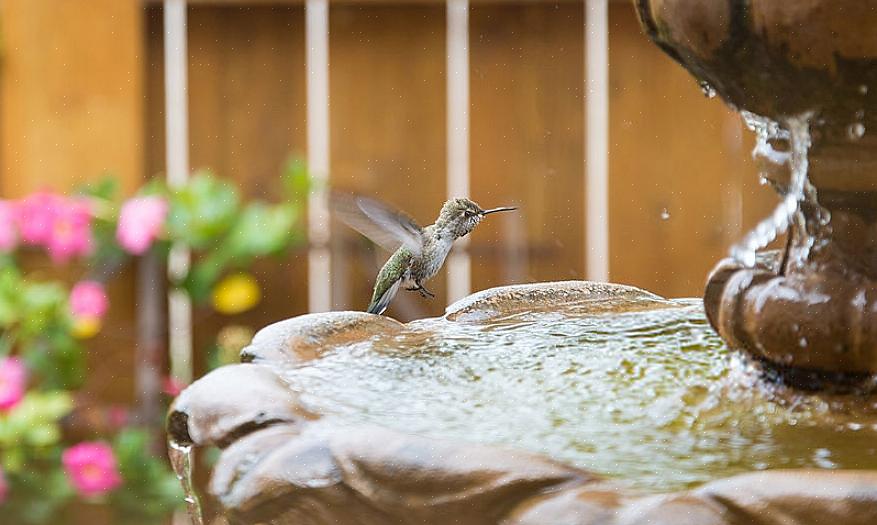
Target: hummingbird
{"x":418,"y":253}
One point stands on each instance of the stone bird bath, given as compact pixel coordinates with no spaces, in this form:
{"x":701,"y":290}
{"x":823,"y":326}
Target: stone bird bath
{"x":583,"y":403}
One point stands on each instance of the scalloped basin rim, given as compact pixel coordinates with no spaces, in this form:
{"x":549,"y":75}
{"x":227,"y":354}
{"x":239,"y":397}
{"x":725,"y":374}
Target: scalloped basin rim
{"x":365,"y":474}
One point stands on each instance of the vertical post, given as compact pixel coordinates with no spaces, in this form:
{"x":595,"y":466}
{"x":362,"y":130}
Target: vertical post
{"x":597,"y":133}
{"x":177,"y":160}
{"x":459,"y":263}
{"x":319,"y":262}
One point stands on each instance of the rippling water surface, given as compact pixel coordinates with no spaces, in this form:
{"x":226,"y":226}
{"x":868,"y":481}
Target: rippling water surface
{"x":652,"y":397}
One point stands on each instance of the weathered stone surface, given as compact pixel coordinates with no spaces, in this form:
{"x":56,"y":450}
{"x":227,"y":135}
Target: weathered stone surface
{"x":232,"y":401}
{"x":361,"y":475}
{"x":324,"y":473}
{"x":307,"y":336}
{"x":590,"y":296}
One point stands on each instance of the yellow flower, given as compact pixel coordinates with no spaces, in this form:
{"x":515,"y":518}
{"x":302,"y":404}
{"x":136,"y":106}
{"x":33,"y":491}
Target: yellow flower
{"x":86,"y":327}
{"x":236,"y":293}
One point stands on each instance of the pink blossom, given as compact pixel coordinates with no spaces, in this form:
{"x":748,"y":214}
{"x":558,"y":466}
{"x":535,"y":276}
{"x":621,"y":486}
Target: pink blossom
{"x":8,"y":235}
{"x":140,"y":223}
{"x":4,"y":486}
{"x":91,"y":468}
{"x":88,"y":299}
{"x":36,"y":216}
{"x":13,"y":380}
{"x":71,"y":231}
{"x":172,"y":386}
{"x":117,"y":416}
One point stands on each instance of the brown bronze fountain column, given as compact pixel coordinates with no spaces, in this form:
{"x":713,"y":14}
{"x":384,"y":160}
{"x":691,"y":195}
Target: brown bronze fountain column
{"x":814,"y":317}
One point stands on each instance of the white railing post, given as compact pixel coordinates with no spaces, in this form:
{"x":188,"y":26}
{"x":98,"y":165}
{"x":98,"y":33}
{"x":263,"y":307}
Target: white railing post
{"x":597,"y":133}
{"x":177,"y":166}
{"x":459,"y":262}
{"x":319,"y":261}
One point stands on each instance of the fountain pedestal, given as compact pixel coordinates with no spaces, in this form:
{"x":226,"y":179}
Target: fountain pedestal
{"x":813,"y":315}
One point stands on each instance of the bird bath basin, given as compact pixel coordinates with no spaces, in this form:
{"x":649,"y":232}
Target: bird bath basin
{"x":528,"y":404}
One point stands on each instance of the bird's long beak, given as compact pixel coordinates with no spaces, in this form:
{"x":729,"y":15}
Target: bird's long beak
{"x":494,"y":210}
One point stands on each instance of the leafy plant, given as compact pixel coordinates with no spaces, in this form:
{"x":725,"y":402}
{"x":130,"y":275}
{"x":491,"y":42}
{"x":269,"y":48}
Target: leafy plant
{"x":45,"y":326}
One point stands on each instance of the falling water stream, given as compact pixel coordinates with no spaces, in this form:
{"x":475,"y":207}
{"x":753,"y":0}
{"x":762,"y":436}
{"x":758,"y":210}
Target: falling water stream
{"x":181,"y":461}
{"x":797,"y":134}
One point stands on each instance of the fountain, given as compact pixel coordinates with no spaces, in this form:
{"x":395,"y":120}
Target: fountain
{"x":581,"y":403}
{"x":805,"y":76}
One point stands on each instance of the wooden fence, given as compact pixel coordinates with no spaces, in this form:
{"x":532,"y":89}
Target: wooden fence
{"x":82,"y":93}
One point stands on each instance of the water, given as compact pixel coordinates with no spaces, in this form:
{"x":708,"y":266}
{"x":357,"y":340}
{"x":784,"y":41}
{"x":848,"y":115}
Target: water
{"x":181,"y":461}
{"x":708,"y":90}
{"x":650,"y":397}
{"x":796,"y":132}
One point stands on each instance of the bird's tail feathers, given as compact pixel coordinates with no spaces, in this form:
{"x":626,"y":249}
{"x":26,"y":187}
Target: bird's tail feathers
{"x":380,"y":304}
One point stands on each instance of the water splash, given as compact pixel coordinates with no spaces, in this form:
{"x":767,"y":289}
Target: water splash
{"x":797,"y":133}
{"x":708,"y":90}
{"x":181,"y":461}
{"x":856,"y":130}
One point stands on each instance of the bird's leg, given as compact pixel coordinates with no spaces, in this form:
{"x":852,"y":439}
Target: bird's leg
{"x":423,"y":291}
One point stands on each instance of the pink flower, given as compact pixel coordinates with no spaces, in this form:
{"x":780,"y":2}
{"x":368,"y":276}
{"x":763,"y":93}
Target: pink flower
{"x":117,"y":417}
{"x":8,"y":235}
{"x":71,"y":231}
{"x":91,"y":468}
{"x":13,"y":380}
{"x":36,"y":216}
{"x":88,"y":299}
{"x":4,"y":486}
{"x":172,"y":386}
{"x":140,"y":223}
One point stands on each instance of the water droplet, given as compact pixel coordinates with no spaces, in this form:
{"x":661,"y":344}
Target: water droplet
{"x":708,"y":90}
{"x":863,"y":89}
{"x":665,"y":214}
{"x":802,"y":342}
{"x":856,"y":131}
{"x":762,"y":180}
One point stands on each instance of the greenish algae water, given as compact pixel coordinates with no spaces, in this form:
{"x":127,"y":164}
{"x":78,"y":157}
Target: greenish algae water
{"x":652,"y":398}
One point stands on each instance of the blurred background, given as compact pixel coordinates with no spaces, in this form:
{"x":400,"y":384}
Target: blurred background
{"x":406,"y":101}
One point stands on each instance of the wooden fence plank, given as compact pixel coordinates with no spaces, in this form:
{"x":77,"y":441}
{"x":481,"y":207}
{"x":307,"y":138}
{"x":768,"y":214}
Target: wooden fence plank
{"x":528,"y":141}
{"x":72,"y":93}
{"x":677,"y":168}
{"x":247,"y":116}
{"x":387,"y":114}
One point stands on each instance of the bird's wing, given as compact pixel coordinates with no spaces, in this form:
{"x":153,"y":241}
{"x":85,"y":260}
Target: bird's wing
{"x":385,"y":226}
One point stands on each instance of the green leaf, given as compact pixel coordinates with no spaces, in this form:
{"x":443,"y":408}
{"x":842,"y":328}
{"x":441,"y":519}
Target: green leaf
{"x":297,"y":182}
{"x":150,"y":490}
{"x":10,"y":296}
{"x":261,"y":230}
{"x":41,"y":304}
{"x":105,"y":188}
{"x":202,"y":211}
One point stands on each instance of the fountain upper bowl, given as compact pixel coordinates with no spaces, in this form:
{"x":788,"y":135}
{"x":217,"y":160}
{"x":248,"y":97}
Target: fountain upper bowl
{"x":776,"y":59}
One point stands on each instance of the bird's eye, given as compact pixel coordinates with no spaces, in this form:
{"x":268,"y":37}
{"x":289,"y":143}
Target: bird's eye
{"x":469,"y":213}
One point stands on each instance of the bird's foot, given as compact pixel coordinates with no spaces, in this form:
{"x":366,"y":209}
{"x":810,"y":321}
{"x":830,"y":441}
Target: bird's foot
{"x":423,"y":291}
